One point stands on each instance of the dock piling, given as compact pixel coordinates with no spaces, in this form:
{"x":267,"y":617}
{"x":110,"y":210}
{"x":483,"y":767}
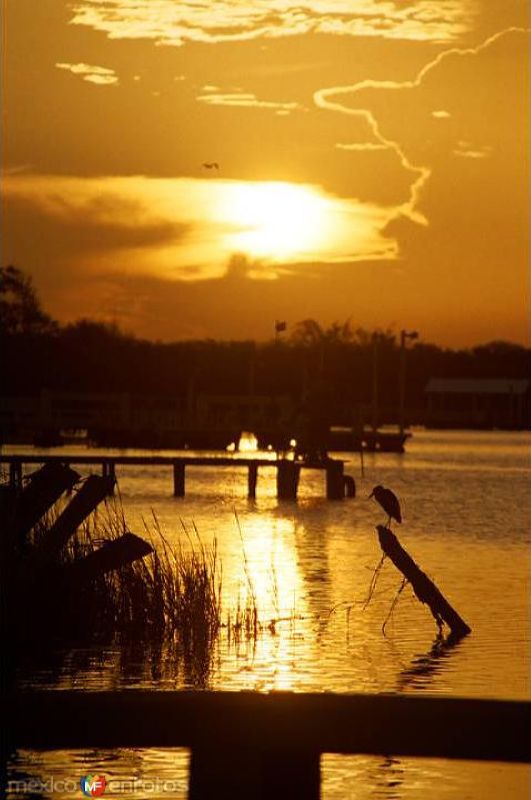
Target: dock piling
{"x":108,"y":471}
{"x":252,"y":477}
{"x":287,"y":480}
{"x":178,"y":479}
{"x":335,"y":485}
{"x":15,"y":475}
{"x":349,"y":486}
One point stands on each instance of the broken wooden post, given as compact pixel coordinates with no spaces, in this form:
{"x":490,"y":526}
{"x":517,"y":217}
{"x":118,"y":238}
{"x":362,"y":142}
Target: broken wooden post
{"x":178,"y":479}
{"x":287,"y":479}
{"x":252,"y":477}
{"x":112,"y":555}
{"x":44,"y":488}
{"x":424,"y":588}
{"x":90,"y":495}
{"x":335,"y":487}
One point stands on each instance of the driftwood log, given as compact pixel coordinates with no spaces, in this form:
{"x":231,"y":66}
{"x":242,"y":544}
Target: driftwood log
{"x":424,"y":588}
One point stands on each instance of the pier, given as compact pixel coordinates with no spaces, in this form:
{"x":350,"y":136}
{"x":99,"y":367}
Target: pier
{"x":288,"y":471}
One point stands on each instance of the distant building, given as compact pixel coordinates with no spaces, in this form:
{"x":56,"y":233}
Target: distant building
{"x":478,"y":403}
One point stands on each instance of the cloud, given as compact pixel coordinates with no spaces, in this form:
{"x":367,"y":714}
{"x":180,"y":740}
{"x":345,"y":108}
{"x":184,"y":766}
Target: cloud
{"x":216,"y":97}
{"x":396,"y":111}
{"x":467,"y":150}
{"x":170,"y":22}
{"x":101,"y":76}
{"x":362,"y":147}
{"x":186,"y":229}
{"x":470,"y":256}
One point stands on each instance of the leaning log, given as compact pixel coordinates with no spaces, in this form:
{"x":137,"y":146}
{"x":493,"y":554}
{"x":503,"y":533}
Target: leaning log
{"x":112,"y":555}
{"x":424,"y":588}
{"x":92,"y":492}
{"x":44,"y":488}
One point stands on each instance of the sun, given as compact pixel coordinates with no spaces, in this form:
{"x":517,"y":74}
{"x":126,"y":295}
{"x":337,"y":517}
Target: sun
{"x":276,"y":220}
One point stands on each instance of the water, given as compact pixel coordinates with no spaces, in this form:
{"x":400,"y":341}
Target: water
{"x":466,"y":522}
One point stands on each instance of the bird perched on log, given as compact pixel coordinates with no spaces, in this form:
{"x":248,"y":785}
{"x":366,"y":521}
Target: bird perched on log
{"x":388,"y":501}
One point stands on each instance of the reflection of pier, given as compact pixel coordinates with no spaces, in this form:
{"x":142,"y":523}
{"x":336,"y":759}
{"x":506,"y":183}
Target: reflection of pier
{"x":288,"y":471}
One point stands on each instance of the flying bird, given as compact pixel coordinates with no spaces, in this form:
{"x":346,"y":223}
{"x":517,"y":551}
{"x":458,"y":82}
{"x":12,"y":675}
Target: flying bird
{"x":210,"y":165}
{"x":388,"y":501}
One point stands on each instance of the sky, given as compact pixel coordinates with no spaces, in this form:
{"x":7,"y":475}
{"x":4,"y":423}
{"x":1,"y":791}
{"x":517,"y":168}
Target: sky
{"x":201,"y":169}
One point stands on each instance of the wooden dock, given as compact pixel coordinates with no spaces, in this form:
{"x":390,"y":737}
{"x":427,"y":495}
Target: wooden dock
{"x":260,"y":746}
{"x":288,"y":471}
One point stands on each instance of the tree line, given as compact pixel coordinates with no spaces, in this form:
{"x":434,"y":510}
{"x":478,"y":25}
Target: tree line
{"x":89,"y":356}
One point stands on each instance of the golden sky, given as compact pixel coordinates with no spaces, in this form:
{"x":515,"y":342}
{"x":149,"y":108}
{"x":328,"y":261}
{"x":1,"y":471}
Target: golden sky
{"x":194,"y":169}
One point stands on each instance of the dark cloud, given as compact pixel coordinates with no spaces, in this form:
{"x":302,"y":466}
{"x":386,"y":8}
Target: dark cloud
{"x":61,"y":230}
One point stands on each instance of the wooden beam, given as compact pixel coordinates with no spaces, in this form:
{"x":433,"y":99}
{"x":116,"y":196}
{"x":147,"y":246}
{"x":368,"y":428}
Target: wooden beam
{"x":112,"y":555}
{"x":199,"y":461}
{"x":44,"y":488}
{"x":406,"y":725}
{"x":89,"y":496}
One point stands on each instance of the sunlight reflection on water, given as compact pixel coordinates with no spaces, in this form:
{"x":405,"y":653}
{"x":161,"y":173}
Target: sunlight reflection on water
{"x":464,"y":499}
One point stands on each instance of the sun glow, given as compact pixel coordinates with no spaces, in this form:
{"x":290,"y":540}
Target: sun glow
{"x":248,"y":443}
{"x":277,"y":220}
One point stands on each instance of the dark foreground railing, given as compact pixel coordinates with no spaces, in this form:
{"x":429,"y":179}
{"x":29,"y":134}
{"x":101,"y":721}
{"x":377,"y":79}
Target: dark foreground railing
{"x":251,"y":745}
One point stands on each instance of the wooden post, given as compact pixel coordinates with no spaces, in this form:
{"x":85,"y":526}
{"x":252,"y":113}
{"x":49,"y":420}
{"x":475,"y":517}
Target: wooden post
{"x":252,"y":477}
{"x":15,"y":475}
{"x":335,"y":487}
{"x":43,"y":489}
{"x":287,"y":479}
{"x":253,"y":773}
{"x":91,"y":493}
{"x":178,"y":479}
{"x":424,"y":588}
{"x":111,"y":474}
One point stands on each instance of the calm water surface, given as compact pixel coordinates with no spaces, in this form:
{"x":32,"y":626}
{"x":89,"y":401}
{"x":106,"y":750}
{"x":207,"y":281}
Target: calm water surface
{"x":465,"y":505}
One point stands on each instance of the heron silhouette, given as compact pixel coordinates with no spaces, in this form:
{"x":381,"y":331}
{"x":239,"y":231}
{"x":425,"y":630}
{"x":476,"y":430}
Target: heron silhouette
{"x":388,"y":501}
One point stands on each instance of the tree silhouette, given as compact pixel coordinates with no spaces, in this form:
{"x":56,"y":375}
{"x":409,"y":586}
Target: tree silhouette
{"x":20,"y":309}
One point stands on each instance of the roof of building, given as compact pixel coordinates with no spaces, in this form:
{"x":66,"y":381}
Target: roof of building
{"x":476,"y":386}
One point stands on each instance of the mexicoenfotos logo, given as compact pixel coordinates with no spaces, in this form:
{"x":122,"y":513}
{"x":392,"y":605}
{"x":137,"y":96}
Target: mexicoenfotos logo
{"x":93,"y":785}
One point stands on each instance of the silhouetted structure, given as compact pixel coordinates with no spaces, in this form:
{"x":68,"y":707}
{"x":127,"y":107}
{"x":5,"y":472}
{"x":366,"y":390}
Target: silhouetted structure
{"x":90,"y":358}
{"x":478,"y":403}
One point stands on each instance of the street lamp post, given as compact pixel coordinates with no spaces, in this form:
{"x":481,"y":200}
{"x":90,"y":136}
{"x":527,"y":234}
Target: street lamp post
{"x":404,"y":336}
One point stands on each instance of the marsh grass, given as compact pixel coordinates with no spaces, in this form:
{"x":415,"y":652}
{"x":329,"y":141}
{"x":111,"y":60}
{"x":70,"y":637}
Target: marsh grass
{"x":167,"y":604}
